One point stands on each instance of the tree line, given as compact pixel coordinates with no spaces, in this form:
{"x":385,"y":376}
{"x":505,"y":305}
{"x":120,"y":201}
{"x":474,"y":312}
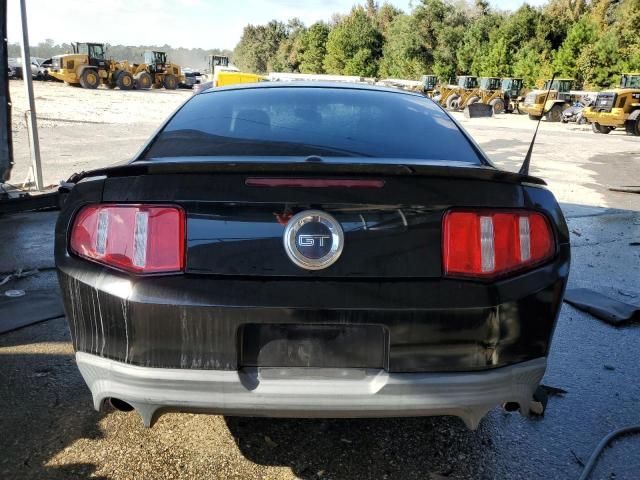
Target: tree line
{"x":592,"y":41}
{"x":195,"y":58}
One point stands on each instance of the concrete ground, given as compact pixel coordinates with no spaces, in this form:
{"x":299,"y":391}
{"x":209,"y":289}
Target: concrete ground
{"x":49,"y":429}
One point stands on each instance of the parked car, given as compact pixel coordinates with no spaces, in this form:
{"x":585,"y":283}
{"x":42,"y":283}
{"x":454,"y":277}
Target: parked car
{"x":11,"y":71}
{"x":574,"y":113}
{"x":15,"y":68}
{"x":311,"y":250}
{"x":191,"y":78}
{"x":35,"y":66}
{"x":43,"y":70}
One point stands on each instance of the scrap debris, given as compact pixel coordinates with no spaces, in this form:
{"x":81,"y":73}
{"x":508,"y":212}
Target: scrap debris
{"x":19,"y":273}
{"x":611,"y":311}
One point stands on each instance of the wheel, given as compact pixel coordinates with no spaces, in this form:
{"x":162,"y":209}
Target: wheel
{"x":632,"y":127}
{"x":534,"y":117}
{"x":597,"y":128}
{"x":555,"y":114}
{"x":473,"y":100}
{"x":453,"y":102}
{"x":498,"y":105}
{"x":124,"y":81}
{"x":581,"y":120}
{"x":90,"y":78}
{"x":170,"y":82}
{"x":143,"y":81}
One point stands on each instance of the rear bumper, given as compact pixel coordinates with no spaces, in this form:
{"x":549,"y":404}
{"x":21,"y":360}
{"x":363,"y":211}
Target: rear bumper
{"x":194,"y":322}
{"x":310,"y":393}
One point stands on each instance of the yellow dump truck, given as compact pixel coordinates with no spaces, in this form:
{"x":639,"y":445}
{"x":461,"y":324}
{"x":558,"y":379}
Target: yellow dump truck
{"x":617,"y":108}
{"x":88,"y":67}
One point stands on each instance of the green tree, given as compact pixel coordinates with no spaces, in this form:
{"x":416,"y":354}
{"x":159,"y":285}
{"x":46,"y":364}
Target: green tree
{"x":258,"y":46}
{"x":354,"y":46}
{"x":402,"y":54}
{"x":314,"y":48}
{"x":581,"y":35}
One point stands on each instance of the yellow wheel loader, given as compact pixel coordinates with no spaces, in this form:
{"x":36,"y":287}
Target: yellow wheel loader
{"x":490,"y":93}
{"x":156,"y":72}
{"x":561,"y":96}
{"x":513,"y":91}
{"x":456,"y":97}
{"x":428,"y":85}
{"x":617,"y":108}
{"x":87,"y":67}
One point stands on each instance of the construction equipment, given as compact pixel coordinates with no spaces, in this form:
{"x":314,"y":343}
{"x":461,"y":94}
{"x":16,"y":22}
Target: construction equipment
{"x":217,"y":63}
{"x":428,"y":85}
{"x":156,"y":72}
{"x":88,"y":67}
{"x":617,"y":108}
{"x":455,"y":97}
{"x":224,"y":78}
{"x":513,"y":94}
{"x":490,"y":93}
{"x":561,"y":96}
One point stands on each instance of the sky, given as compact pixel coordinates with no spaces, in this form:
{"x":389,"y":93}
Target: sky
{"x":180,"y":23}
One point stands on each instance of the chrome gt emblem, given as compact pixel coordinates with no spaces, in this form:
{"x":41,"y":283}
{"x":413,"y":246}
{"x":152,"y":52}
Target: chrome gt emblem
{"x":313,"y":240}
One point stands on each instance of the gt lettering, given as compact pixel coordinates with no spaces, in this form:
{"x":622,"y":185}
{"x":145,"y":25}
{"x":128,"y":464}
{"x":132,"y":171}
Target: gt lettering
{"x":310,"y":240}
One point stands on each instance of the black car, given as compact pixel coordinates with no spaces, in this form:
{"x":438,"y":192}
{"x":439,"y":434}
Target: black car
{"x":311,"y":250}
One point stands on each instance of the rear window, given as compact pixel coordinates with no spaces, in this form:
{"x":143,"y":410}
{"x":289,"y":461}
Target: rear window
{"x":303,"y":121}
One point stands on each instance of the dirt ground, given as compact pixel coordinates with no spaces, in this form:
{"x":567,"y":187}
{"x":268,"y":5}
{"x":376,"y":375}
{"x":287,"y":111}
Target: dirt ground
{"x":48,"y":429}
{"x":84,"y":129}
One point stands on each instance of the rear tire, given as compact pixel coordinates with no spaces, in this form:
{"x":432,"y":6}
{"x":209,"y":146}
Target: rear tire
{"x":632,"y":127}
{"x":143,"y":81}
{"x":498,"y":105}
{"x":555,"y":114}
{"x":90,"y":79}
{"x":597,"y":128}
{"x":453,"y":102}
{"x":125,"y":81}
{"x":170,"y":82}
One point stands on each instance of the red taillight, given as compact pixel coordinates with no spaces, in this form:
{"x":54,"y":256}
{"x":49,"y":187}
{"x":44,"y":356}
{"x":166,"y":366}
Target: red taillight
{"x":491,"y":243}
{"x":136,"y":238}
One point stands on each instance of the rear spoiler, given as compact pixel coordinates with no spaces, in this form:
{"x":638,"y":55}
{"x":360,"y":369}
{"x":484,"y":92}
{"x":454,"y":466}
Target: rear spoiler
{"x":312,"y":165}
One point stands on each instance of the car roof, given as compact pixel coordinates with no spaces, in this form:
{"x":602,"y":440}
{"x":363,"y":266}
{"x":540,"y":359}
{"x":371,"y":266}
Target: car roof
{"x":311,"y":84}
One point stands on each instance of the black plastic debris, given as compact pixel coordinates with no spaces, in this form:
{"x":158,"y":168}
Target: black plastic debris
{"x":17,"y":311}
{"x":611,"y":311}
{"x":541,"y":398}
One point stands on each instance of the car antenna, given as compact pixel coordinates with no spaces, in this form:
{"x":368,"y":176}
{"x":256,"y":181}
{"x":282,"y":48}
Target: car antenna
{"x":524,"y":169}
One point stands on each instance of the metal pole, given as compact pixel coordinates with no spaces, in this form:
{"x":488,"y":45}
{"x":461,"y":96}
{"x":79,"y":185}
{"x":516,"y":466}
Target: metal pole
{"x":32,"y":124}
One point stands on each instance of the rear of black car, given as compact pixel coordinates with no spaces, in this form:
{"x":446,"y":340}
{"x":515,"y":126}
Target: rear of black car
{"x":314,"y":251}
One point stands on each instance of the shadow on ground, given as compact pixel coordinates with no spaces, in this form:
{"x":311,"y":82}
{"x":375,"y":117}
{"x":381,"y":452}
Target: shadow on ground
{"x":45,"y":406}
{"x":366,"y":448}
